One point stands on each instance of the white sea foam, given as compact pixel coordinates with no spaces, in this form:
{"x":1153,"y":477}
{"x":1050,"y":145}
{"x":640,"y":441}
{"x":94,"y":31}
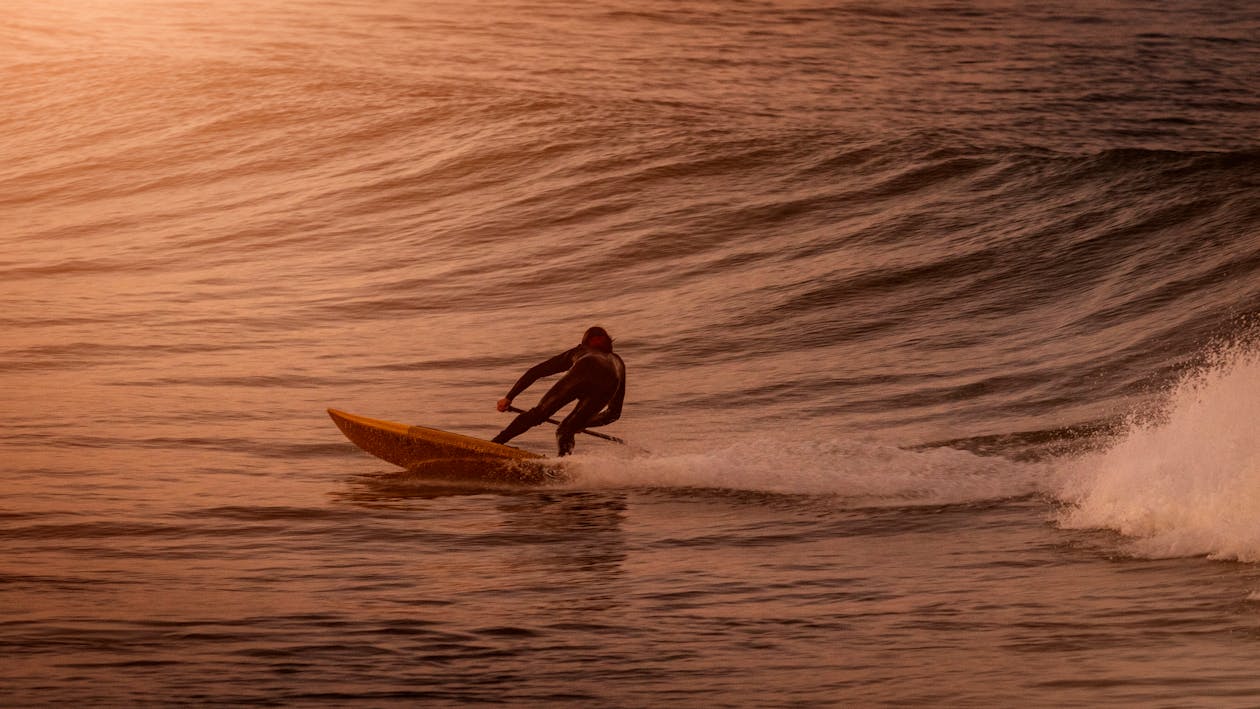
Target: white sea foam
{"x":861,"y":472}
{"x":1188,"y":484}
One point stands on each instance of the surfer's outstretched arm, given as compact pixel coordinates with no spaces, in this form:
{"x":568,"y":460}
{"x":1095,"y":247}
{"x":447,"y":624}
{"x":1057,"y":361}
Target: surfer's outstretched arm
{"x":560,"y":363}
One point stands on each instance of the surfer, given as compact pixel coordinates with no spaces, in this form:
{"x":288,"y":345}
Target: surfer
{"x":595,"y":377}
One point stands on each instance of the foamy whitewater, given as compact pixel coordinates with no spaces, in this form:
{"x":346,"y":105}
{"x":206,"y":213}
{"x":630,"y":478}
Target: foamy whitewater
{"x":939,"y":320}
{"x":1187,"y":483}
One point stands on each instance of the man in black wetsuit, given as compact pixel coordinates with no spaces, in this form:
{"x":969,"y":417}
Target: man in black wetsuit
{"x":595,"y":378}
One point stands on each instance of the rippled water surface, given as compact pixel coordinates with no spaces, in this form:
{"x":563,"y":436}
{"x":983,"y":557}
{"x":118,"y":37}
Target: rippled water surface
{"x":939,"y":320}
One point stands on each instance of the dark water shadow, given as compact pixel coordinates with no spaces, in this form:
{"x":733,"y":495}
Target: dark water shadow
{"x":577,"y":529}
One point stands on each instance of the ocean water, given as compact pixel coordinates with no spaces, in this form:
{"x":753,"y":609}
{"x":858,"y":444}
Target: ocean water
{"x":939,"y":320}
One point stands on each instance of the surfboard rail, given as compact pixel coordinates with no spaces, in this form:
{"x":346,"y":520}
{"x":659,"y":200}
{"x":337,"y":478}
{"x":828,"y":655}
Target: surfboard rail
{"x":442,"y":454}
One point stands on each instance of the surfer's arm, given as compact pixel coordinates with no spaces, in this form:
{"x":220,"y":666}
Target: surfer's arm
{"x":560,"y":363}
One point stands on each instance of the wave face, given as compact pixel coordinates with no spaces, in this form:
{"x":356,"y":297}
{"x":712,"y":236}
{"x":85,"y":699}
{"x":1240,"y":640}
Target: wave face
{"x":833,"y":227}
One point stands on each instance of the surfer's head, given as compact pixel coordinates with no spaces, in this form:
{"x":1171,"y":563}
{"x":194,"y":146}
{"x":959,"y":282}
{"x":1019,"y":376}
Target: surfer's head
{"x":597,"y":338}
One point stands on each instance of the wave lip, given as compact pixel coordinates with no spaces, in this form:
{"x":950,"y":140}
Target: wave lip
{"x":1188,"y":482}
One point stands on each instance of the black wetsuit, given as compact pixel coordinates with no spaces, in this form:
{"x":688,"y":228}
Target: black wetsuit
{"x":595,"y":379}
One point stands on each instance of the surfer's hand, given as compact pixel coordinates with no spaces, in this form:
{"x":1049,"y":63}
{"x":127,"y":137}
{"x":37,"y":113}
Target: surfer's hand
{"x":504,"y":403}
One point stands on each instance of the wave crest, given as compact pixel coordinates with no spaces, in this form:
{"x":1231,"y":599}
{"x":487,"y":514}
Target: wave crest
{"x":1186,"y":483}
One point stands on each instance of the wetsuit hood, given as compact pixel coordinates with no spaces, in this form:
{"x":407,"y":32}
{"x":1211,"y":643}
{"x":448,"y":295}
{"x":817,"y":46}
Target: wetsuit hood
{"x":598,"y":338}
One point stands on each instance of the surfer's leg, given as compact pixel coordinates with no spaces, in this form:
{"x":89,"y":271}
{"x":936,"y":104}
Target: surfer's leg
{"x":576,"y":421}
{"x":562,"y":393}
{"x":595,"y":387}
{"x":522,"y":423}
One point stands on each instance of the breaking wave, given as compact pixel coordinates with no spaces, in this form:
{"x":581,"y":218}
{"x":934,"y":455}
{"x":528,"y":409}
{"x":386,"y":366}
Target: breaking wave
{"x":1185,"y":481}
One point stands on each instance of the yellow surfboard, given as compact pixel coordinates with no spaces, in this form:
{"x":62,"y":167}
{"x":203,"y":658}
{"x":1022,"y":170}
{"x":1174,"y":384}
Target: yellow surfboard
{"x":445,"y":455}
